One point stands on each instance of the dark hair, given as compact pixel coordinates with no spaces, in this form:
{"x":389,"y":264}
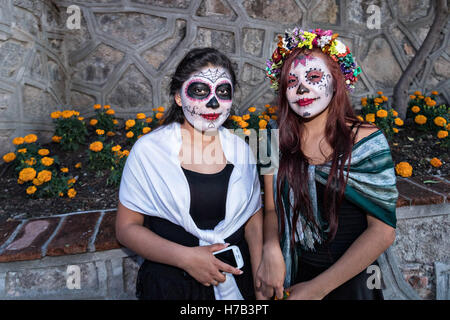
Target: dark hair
{"x":194,"y":60}
{"x":294,"y":164}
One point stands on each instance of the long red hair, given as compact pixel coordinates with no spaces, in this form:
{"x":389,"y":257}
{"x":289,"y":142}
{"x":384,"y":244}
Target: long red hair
{"x":294,"y":164}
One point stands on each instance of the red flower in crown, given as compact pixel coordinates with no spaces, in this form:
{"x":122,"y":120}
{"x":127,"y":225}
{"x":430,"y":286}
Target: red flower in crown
{"x":276,"y":56}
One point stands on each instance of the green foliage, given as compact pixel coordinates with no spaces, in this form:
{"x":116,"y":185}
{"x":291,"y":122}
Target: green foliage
{"x":71,"y":130}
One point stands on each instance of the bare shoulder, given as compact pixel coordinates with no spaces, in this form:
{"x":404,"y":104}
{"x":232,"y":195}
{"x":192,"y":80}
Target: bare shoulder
{"x":365,"y":130}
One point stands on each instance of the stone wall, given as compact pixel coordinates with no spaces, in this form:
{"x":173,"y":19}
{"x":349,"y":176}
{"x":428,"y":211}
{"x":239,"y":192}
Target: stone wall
{"x":125,"y":51}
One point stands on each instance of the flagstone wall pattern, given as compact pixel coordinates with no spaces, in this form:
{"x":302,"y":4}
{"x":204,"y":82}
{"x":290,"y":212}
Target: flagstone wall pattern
{"x":125,"y":51}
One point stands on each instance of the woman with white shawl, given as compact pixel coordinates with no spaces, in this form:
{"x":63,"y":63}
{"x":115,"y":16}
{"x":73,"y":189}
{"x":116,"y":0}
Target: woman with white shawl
{"x":191,"y":188}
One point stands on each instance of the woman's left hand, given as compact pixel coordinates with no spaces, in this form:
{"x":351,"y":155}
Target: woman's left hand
{"x":305,"y":291}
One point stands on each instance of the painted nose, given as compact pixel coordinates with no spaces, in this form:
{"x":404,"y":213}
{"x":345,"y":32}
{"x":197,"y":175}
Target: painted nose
{"x":302,"y":89}
{"x":213,"y":103}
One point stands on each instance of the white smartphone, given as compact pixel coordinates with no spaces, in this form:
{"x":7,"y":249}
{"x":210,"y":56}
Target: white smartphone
{"x":230,"y":255}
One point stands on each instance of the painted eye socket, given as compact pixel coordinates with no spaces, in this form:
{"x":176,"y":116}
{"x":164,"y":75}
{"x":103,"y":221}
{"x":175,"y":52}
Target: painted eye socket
{"x":198,"y":90}
{"x":223,"y":91}
{"x":292,"y":81}
{"x":314,"y":76}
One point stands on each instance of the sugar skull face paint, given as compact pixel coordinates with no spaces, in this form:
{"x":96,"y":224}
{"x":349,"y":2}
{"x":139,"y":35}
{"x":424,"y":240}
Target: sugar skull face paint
{"x":206,"y":98}
{"x":310,"y":86}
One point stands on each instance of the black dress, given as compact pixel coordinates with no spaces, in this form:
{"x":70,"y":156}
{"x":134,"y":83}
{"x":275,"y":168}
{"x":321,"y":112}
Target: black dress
{"x":351,"y":224}
{"x":157,"y":281}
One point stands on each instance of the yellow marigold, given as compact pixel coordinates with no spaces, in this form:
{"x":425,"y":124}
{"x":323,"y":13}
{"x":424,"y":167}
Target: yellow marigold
{"x":146,"y":130}
{"x":420,"y":119}
{"x":93,"y":122}
{"x":55,"y":114}
{"x":23,"y":150}
{"x":61,"y":194}
{"x":415,"y":109}
{"x":382,"y":113}
{"x":37,"y":182}
{"x":140,"y":116}
{"x":27,"y":174}
{"x":71,"y":193}
{"x":76,"y":113}
{"x":417,"y":93}
{"x":30,"y":138}
{"x":47,"y":161}
{"x":67,"y":114}
{"x":130,"y":123}
{"x":80,"y":118}
{"x":442,"y":134}
{"x":440,"y":122}
{"x":395,"y":130}
{"x":18,"y":141}
{"x":110,"y":112}
{"x":398,"y":122}
{"x":364,"y":99}
{"x":43,"y":152}
{"x":246,"y":117}
{"x":360,"y":118}
{"x":370,"y":117}
{"x":115,"y":121}
{"x":159,"y":115}
{"x":31,"y":190}
{"x":380,"y":92}
{"x":267,"y":105}
{"x":434,"y":93}
{"x":56,"y":139}
{"x":100,"y":132}
{"x":378,"y":100}
{"x":65,"y":170}
{"x":412,"y":97}
{"x":262,"y":124}
{"x":130,"y":134}
{"x":430,"y":103}
{"x":96,"y":146}
{"x":435,"y":162}
{"x":149,"y":120}
{"x":160,"y":109}
{"x":116,"y":148}
{"x":71,"y":181}
{"x":243,"y":124}
{"x":394,"y":113}
{"x":106,"y":107}
{"x":9,"y":157}
{"x":251,"y":109}
{"x":44,"y":176}
{"x":78,"y":165}
{"x":384,"y":98}
{"x":97,"y":106}
{"x":404,"y":169}
{"x":125,"y":153}
{"x":447,"y":127}
{"x":364,"y":103}
{"x":31,"y":161}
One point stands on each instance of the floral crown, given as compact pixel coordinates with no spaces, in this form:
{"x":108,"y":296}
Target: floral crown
{"x":323,"y":39}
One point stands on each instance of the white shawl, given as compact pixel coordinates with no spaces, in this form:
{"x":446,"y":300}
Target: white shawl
{"x":154,"y":184}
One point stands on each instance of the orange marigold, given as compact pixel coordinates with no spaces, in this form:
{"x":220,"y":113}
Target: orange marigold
{"x":96,"y":146}
{"x":404,"y":169}
{"x":44,"y":176}
{"x":9,"y":157}
{"x":27,"y":174}
{"x":415,"y":109}
{"x":47,"y":161}
{"x":435,"y":162}
{"x":71,"y":193}
{"x":43,"y":152}
{"x":30,"y":138}
{"x":31,"y":190}
{"x":420,"y":119}
{"x":440,"y":121}
{"x":18,"y":141}
{"x":140,"y":116}
{"x":382,"y":113}
{"x":442,"y":134}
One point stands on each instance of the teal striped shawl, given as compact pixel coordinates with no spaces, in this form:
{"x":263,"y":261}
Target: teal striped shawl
{"x":371,"y":185}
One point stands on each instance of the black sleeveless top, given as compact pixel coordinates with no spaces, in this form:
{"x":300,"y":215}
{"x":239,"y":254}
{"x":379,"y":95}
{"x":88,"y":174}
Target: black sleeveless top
{"x":207,"y":208}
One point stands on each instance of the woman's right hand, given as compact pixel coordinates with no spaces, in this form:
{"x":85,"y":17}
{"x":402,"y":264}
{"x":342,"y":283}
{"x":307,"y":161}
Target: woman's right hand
{"x":271,"y":272}
{"x":204,"y":267}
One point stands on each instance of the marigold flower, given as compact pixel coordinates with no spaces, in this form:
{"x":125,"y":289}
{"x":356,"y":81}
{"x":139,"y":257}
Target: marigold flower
{"x":420,"y":119}
{"x":440,"y":121}
{"x":266,"y":117}
{"x":23,"y":150}
{"x":412,"y":97}
{"x":110,"y":134}
{"x":251,"y":109}
{"x":415,"y":109}
{"x":149,"y":120}
{"x":146,"y":130}
{"x":30,"y":138}
{"x":271,"y":110}
{"x":435,"y":162}
{"x":243,"y":124}
{"x":442,"y":134}
{"x":404,"y":169}
{"x":380,"y":92}
{"x":262,"y":124}
{"x":274,"y":117}
{"x":370,"y":117}
{"x":106,"y":107}
{"x":139,"y":136}
{"x":116,"y":148}
{"x":417,"y":93}
{"x":130,"y":123}
{"x":20,"y":181}
{"x":96,"y":146}
{"x":61,"y":194}
{"x":55,"y":114}
{"x":31,"y":190}
{"x":110,"y":112}
{"x":71,"y":193}
{"x":378,"y":100}
{"x":44,"y":176}
{"x":47,"y":161}
{"x":382,"y":113}
{"x":78,"y":165}
{"x":246,"y":117}
{"x":140,"y":116}
{"x":18,"y":141}
{"x":434,"y":93}
{"x":27,"y":174}
{"x":11,"y":156}
{"x":67,"y":114}
{"x":247,"y":132}
{"x":447,"y":127}
{"x":97,"y":106}
{"x":267,"y":105}
{"x":394,"y":113}
{"x":159,"y":115}
{"x":160,"y":109}
{"x":43,"y":152}
{"x":395,"y":130}
{"x":31,"y":161}
{"x":360,"y":118}
{"x":430,"y":103}
{"x":71,"y":181}
{"x":65,"y":170}
{"x":76,"y":113}
{"x":421,"y":97}
{"x":130,"y":134}
{"x":100,"y":132}
{"x":93,"y":122}
{"x":56,"y":139}
{"x":37,"y":182}
{"x":80,"y":118}
{"x":115,"y":121}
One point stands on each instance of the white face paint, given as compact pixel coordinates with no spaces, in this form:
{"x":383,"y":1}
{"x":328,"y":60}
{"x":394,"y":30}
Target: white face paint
{"x":206,"y":98}
{"x":310,"y":86}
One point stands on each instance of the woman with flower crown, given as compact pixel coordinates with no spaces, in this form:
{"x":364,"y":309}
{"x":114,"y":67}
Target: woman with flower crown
{"x":330,"y":205}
